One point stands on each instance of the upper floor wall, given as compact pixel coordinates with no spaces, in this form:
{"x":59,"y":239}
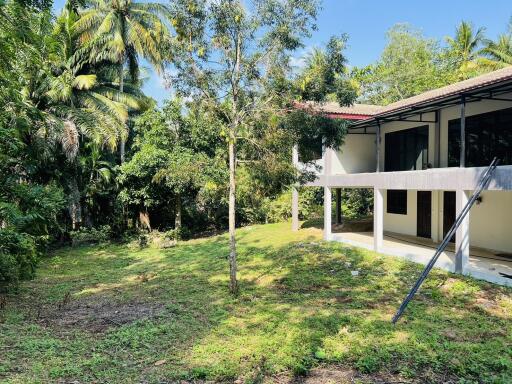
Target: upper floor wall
{"x":359,"y":152}
{"x":438,"y":132}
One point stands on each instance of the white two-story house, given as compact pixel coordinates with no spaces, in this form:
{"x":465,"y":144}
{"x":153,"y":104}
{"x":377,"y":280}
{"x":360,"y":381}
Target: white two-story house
{"x":423,"y":157}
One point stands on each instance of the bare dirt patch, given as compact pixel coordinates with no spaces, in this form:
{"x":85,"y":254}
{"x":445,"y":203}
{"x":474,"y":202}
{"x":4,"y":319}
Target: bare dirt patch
{"x":97,"y":315}
{"x":343,"y":375}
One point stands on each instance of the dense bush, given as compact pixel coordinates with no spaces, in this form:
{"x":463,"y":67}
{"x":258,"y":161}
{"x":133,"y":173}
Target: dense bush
{"x":280,"y":208}
{"x":18,"y":257}
{"x":91,"y":235}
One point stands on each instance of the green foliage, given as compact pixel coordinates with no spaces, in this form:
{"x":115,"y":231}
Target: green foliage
{"x":410,"y":64}
{"x":325,"y":75}
{"x":464,"y":50}
{"x":279,"y":209}
{"x":178,"y":234}
{"x":357,"y":202}
{"x":310,"y":129}
{"x":18,"y":257}
{"x":92,"y":235}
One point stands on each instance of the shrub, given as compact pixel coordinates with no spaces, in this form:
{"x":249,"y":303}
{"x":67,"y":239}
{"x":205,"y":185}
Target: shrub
{"x":178,"y":234}
{"x":18,"y":257}
{"x":143,"y":240}
{"x":91,"y":235}
{"x":280,"y":208}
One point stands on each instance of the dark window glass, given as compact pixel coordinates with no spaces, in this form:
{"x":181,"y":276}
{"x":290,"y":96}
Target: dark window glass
{"x":406,"y":150}
{"x":397,"y":201}
{"x":487,"y":135}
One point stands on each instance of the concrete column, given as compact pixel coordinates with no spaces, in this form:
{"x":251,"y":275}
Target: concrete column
{"x":462,"y":234}
{"x":328,"y":155}
{"x":378,"y":219}
{"x":435,"y":216}
{"x":327,"y":213}
{"x":295,"y":192}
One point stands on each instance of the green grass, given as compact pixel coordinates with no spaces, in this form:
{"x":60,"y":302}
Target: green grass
{"x":115,"y":314}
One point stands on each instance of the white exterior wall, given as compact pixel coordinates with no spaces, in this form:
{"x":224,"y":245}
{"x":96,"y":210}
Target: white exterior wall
{"x":357,"y":155}
{"x":489,"y":224}
{"x":405,"y":224}
{"x":491,"y":221}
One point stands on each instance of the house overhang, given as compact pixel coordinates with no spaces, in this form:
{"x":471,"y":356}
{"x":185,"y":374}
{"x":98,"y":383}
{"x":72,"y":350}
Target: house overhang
{"x":415,"y":112}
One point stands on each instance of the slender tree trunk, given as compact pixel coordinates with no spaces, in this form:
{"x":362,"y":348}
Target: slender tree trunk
{"x":233,"y":283}
{"x":122,"y":144}
{"x":177,"y":216}
{"x":75,"y":207}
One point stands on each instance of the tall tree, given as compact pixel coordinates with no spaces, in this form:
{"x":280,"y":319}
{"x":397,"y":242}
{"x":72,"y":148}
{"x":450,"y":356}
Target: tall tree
{"x":410,"y":64}
{"x":465,"y":48}
{"x":325,"y":75}
{"x":121,"y":31}
{"x":86,"y":104}
{"x":498,"y":54}
{"x":233,"y":55}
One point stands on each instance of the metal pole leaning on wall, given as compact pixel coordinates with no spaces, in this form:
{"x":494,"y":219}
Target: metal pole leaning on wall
{"x":482,"y":184}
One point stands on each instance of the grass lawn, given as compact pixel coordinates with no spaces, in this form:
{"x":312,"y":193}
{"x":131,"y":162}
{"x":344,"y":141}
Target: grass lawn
{"x":115,"y":314}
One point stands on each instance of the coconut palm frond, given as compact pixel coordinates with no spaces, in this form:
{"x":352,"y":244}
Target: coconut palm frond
{"x":84,"y":82}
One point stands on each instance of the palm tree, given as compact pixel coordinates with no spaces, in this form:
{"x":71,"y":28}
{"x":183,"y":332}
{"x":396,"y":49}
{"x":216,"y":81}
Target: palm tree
{"x":498,"y":54}
{"x":81,"y":103}
{"x":121,"y":31}
{"x":465,"y":48}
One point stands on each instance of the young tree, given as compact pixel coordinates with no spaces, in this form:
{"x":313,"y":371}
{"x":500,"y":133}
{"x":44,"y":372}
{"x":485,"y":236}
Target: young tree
{"x":232,"y":55}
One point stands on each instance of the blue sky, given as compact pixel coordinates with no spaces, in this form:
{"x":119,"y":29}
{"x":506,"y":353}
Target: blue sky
{"x":366,"y":22}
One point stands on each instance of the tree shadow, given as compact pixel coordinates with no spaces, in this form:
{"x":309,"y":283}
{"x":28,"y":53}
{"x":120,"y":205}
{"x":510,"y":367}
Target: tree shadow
{"x":299,"y":306}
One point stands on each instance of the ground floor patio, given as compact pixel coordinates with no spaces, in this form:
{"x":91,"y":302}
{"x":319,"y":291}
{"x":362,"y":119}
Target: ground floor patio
{"x":483,"y":263}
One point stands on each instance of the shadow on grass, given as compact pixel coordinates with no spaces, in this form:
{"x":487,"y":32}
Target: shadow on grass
{"x":299,"y":306}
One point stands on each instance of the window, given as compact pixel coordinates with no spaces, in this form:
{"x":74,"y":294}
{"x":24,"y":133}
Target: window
{"x":406,"y":150}
{"x":397,"y":201}
{"x":487,"y":135}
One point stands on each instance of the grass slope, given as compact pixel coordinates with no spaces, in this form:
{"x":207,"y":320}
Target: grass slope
{"x":113,"y":314}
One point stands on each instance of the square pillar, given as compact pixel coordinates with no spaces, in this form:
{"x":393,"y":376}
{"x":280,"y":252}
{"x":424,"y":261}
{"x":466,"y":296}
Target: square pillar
{"x":378,"y":219}
{"x":327,"y":213}
{"x":462,"y":234}
{"x":295,"y":209}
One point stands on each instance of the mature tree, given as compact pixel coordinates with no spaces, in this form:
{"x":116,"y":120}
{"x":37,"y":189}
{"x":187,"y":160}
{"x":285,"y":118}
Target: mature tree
{"x":233,"y":55}
{"x":410,"y":64}
{"x":121,"y":31}
{"x":325,"y":75}
{"x":87,"y":104}
{"x":498,"y":54}
{"x":175,"y":156}
{"x":465,"y":48}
